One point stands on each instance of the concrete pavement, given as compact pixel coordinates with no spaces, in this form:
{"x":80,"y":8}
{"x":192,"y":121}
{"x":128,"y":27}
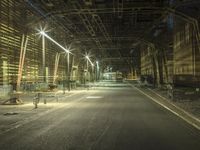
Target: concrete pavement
{"x":112,"y":118}
{"x":12,"y":116}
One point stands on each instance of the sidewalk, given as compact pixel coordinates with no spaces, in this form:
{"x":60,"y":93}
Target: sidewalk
{"x":188,"y":110}
{"x":191,"y":106}
{"x":13,"y":116}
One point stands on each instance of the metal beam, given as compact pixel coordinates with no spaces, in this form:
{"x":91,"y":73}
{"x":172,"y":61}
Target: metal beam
{"x":116,"y":58}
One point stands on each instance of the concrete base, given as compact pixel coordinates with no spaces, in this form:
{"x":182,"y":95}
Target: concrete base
{"x":12,"y":101}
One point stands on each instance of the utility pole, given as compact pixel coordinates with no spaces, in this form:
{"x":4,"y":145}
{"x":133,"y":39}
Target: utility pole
{"x":68,"y":72}
{"x":43,"y":59}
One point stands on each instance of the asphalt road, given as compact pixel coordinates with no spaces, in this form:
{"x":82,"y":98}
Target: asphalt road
{"x":115,"y":118}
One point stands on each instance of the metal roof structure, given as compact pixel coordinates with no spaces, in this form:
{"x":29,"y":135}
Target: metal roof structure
{"x":107,"y":28}
{"x":113,"y":31}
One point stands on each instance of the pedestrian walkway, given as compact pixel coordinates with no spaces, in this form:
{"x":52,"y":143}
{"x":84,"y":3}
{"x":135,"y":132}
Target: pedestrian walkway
{"x":12,"y":116}
{"x":186,"y":109}
{"x":191,"y":106}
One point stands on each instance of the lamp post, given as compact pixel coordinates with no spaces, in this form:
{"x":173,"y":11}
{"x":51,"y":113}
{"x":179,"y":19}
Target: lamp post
{"x":64,"y":74}
{"x":68,"y":72}
{"x":86,"y":73}
{"x":97,"y":71}
{"x":43,"y":49}
{"x":89,"y":61}
{"x":43,"y":59}
{"x":92,"y":74}
{"x":86,"y":77}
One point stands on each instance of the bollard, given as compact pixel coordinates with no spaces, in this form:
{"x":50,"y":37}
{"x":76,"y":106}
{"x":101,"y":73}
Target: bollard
{"x":45,"y":101}
{"x":56,"y":98}
{"x":36,"y":105}
{"x":36,"y":100}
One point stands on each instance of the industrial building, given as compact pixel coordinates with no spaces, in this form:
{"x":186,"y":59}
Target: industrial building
{"x":99,"y":74}
{"x":113,"y":32}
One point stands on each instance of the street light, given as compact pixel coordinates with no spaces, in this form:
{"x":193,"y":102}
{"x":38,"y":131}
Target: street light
{"x":43,"y":59}
{"x":66,"y":50}
{"x":97,"y":70}
{"x":87,"y":57}
{"x":68,"y":71}
{"x":88,"y":60}
{"x":44,"y":34}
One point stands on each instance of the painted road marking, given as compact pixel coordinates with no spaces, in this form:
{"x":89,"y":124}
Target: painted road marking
{"x":94,"y":97}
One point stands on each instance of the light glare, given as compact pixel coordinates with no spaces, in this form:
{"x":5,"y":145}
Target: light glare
{"x":44,"y":34}
{"x":87,"y":57}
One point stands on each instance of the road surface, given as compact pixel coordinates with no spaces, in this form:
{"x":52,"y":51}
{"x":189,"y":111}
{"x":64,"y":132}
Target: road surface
{"x":110,"y":118}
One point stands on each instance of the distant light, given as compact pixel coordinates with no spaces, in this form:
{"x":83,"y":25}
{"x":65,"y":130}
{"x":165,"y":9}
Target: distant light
{"x":43,"y":33}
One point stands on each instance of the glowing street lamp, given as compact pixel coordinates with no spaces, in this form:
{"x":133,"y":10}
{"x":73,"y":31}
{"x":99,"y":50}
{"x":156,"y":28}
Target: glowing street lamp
{"x":63,"y":48}
{"x":88,"y":60}
{"x":97,"y":64}
{"x":97,"y":70}
{"x":87,"y":57}
{"x":43,"y":59}
{"x":48,"y":37}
